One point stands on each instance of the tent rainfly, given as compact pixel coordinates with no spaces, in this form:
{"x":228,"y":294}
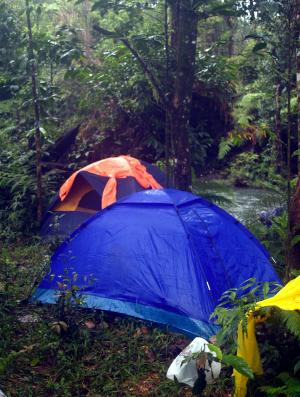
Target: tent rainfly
{"x":162,"y":255}
{"x":93,"y":188}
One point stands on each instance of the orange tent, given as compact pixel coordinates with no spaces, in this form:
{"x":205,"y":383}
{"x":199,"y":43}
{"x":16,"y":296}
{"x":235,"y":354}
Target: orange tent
{"x":96,"y":186}
{"x":113,"y":168}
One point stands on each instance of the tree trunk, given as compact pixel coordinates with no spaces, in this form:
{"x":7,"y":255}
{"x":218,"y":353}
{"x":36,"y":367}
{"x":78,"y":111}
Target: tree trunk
{"x":252,"y":10}
{"x":298,"y":75}
{"x":295,"y":203}
{"x":230,"y":26}
{"x":35,"y":97}
{"x":291,"y":48}
{"x":183,"y":52}
{"x":278,"y":127}
{"x":180,"y":75}
{"x":168,"y":139}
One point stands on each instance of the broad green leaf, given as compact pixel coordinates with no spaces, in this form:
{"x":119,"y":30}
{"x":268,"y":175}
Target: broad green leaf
{"x":238,"y":364}
{"x":266,"y":289}
{"x":297,"y":367}
{"x":215,"y":349}
{"x":296,"y":153}
{"x":34,"y":361}
{"x":295,"y":240}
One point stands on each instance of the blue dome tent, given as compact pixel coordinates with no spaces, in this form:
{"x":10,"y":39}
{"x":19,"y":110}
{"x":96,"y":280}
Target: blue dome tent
{"x":162,"y":255}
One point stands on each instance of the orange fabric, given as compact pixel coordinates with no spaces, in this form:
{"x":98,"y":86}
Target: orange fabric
{"x":71,"y":202}
{"x":113,"y":167}
{"x":109,"y":194}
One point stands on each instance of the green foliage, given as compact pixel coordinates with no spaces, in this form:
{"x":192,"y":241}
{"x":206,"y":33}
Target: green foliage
{"x":233,"y":361}
{"x":248,"y":108}
{"x":256,"y":170}
{"x":251,"y":129}
{"x":274,"y":238}
{"x":290,"y":386}
{"x":291,"y":320}
{"x":17,"y":195}
{"x":245,"y":168}
{"x":17,"y":276}
{"x":219,"y":72}
{"x":97,"y":354}
{"x":200,"y":141}
{"x":233,"y":306}
{"x":238,"y":364}
{"x":230,"y":142}
{"x":278,"y":349}
{"x":85,"y":76}
{"x":69,"y":295}
{"x":214,"y":191}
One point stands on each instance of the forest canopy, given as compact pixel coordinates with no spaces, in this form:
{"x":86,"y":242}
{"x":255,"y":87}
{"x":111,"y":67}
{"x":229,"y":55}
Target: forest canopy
{"x":181,"y":84}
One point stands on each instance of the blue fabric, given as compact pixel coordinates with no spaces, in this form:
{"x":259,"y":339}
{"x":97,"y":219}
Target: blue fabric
{"x":60,"y":224}
{"x":167,"y":252}
{"x":188,"y":326}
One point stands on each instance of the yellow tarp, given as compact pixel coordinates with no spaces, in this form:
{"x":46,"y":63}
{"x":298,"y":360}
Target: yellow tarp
{"x":288,"y":298}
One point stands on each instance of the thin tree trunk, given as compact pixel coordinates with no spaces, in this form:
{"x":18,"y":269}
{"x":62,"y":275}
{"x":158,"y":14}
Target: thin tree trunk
{"x":297,"y":3}
{"x":86,"y":34}
{"x":38,"y":144}
{"x":289,"y":133}
{"x":184,"y":21}
{"x":278,"y":128}
{"x":252,"y":11}
{"x":230,"y":45}
{"x":183,"y":48}
{"x":295,"y":202}
{"x":167,"y":87}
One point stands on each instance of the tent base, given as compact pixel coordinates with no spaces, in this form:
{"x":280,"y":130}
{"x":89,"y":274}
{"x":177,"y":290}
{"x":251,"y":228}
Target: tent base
{"x":189,"y":326}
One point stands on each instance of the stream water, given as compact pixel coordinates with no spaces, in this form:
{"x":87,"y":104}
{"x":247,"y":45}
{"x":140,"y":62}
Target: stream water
{"x":245,"y":203}
{"x":248,"y":202}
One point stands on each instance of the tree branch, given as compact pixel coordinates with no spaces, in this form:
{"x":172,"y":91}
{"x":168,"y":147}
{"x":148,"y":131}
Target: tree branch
{"x":52,"y":164}
{"x":148,"y":72}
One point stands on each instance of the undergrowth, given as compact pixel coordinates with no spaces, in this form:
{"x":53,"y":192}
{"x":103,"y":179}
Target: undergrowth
{"x":47,"y":351}
{"x":278,"y":337}
{"x":89,"y":353}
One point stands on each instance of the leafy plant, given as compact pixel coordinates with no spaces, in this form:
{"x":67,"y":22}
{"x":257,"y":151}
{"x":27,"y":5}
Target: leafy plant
{"x":288,"y":386}
{"x":69,"y":294}
{"x":233,"y":306}
{"x":277,"y":350}
{"x":291,"y":320}
{"x":255,"y":170}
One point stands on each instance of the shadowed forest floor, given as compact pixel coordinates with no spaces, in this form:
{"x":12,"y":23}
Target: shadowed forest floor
{"x":88,"y":353}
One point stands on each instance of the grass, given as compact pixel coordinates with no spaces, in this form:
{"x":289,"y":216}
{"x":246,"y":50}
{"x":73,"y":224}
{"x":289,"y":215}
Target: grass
{"x":80,"y":352}
{"x":116,"y":358}
{"x":94,"y":354}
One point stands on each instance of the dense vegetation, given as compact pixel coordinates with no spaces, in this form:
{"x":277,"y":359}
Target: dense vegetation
{"x":205,"y":89}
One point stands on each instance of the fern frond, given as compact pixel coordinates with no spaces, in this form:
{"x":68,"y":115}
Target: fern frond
{"x":290,"y":387}
{"x":293,"y":384}
{"x":225,"y":147}
{"x":273,"y":391}
{"x":291,"y":320}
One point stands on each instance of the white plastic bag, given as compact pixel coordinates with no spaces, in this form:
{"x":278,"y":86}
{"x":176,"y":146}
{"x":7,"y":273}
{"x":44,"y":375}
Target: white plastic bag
{"x":2,"y":394}
{"x":187,"y":372}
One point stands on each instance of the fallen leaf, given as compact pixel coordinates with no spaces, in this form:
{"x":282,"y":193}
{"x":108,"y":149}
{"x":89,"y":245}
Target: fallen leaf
{"x":90,"y":324}
{"x":144,"y":330}
{"x":149,"y":353}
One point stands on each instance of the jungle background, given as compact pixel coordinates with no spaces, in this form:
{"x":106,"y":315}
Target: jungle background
{"x":207,"y":90}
